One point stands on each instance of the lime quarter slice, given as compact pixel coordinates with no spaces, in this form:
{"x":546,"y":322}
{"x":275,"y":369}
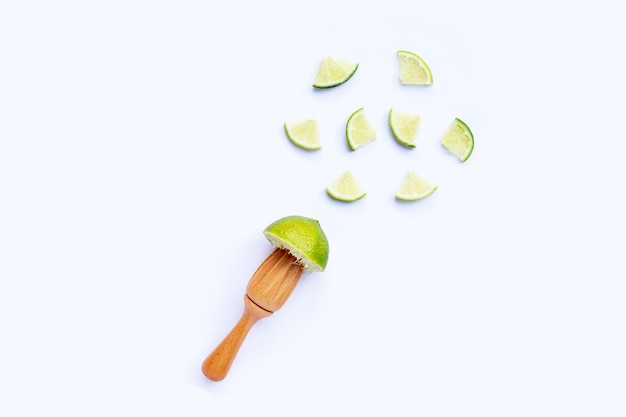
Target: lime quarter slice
{"x":304,"y":133}
{"x":415,"y":187}
{"x":413,"y":69}
{"x":303,"y":237}
{"x":333,"y":72}
{"x":359,"y":130}
{"x":346,"y":188}
{"x":459,"y":140}
{"x":404,"y":127}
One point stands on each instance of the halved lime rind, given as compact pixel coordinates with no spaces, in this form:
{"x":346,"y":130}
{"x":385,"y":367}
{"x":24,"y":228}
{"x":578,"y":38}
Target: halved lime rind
{"x":359,"y":130}
{"x":303,"y":237}
{"x":459,"y":140}
{"x":415,"y":187}
{"x":304,"y":134}
{"x":346,"y":188}
{"x":413,"y":69}
{"x":404,"y":127}
{"x":333,"y":72}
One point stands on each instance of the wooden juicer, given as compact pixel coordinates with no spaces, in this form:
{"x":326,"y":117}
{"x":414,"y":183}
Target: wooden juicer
{"x":299,"y":245}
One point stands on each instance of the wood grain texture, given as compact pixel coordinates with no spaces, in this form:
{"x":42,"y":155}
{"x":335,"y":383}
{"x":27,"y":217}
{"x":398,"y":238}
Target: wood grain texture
{"x":274,"y":280}
{"x":218,"y":363}
{"x":267,"y":291}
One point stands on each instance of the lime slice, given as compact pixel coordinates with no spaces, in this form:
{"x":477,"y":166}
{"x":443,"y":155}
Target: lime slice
{"x":415,"y":187}
{"x":413,"y":69}
{"x":404,"y":127}
{"x":359,"y":131}
{"x":304,"y":133}
{"x":333,"y":72}
{"x":346,"y":188}
{"x":459,"y":140}
{"x":303,"y":237}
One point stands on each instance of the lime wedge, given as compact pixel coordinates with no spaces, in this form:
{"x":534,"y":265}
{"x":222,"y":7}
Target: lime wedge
{"x":346,"y":188}
{"x":359,"y":131}
{"x":404,"y":127}
{"x":459,"y":140}
{"x":303,"y":237}
{"x":304,"y":133}
{"x":413,"y":69}
{"x":333,"y":72}
{"x":415,"y":187}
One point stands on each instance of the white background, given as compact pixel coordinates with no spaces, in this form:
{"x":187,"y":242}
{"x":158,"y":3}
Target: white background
{"x":142,"y":154}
